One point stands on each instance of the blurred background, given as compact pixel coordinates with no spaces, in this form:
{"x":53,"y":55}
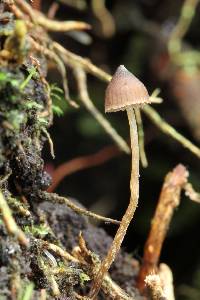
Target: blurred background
{"x":141,"y":35}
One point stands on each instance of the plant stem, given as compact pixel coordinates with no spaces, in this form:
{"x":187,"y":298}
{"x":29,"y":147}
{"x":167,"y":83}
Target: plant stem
{"x":169,"y":130}
{"x":143,"y":157}
{"x":10,"y":223}
{"x":121,"y":232}
{"x":168,"y":201}
{"x":87,"y":102}
{"x":79,"y":210}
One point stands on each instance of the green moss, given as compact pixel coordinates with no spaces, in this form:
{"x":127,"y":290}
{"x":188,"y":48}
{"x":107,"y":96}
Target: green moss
{"x":36,"y":230}
{"x":83,"y":278}
{"x":16,"y":118}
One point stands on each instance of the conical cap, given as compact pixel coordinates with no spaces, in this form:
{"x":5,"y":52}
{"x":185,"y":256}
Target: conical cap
{"x":125,"y":90}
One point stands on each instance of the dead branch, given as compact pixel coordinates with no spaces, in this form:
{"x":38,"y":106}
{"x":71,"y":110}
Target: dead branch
{"x":109,"y":287}
{"x":81,"y":163}
{"x":40,"y":19}
{"x":169,"y":199}
{"x":166,"y":278}
{"x":36,"y":4}
{"x":191,"y":193}
{"x":10,"y":223}
{"x":63,"y":200}
{"x":72,"y":59}
{"x":153,"y":282}
{"x":87,"y":102}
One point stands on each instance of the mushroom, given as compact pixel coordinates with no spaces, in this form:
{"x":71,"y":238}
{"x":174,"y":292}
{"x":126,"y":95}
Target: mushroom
{"x":124,"y":92}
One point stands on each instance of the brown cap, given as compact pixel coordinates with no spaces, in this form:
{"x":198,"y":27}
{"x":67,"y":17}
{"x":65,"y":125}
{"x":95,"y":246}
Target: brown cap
{"x":125,"y":90}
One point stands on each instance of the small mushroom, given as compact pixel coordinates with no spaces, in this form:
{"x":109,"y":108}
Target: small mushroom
{"x":124,"y":92}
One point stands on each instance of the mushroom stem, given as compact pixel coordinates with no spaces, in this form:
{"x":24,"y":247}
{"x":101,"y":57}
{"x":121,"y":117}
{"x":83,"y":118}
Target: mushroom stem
{"x":134,"y":181}
{"x":134,"y":187}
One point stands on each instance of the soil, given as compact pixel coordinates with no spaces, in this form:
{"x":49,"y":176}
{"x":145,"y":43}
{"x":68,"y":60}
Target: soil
{"x":25,"y":116}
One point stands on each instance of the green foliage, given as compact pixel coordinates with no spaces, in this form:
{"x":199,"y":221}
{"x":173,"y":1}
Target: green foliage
{"x":26,"y":292}
{"x":15,"y":118}
{"x":57,"y":110}
{"x":83,"y":278}
{"x":6,"y":77}
{"x":33,"y":104}
{"x":32,"y":73}
{"x":36,"y":230}
{"x":57,"y":96}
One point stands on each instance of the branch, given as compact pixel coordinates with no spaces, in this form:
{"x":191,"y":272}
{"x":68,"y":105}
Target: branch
{"x":63,"y":200}
{"x":10,"y":223}
{"x":187,"y":13}
{"x":169,"y":199}
{"x":81,"y":163}
{"x":72,"y":60}
{"x":109,"y":287}
{"x":153,"y":282}
{"x":169,"y":130}
{"x":87,"y":102}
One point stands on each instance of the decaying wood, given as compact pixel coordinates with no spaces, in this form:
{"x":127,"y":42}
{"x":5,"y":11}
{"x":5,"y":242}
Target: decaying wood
{"x":169,"y":199}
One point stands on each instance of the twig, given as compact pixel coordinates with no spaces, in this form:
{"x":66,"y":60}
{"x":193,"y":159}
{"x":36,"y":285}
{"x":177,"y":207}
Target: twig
{"x":153,"y":282}
{"x":50,"y":277}
{"x":50,"y":141}
{"x":82,"y":162}
{"x":27,"y":9}
{"x":169,"y":130}
{"x":43,"y":294}
{"x":52,"y":10}
{"x":71,"y":59}
{"x":5,"y":177}
{"x":166,"y":277}
{"x":60,"y":26}
{"x":169,"y":199}
{"x":191,"y":193}
{"x":84,"y":97}
{"x":60,"y":65}
{"x":48,"y":24}
{"x":187,"y":13}
{"x":104,"y":16}
{"x":143,"y":157}
{"x":36,"y":4}
{"x":109,"y":287}
{"x":58,"y":250}
{"x":10,"y":223}
{"x":19,"y":207}
{"x":63,"y":200}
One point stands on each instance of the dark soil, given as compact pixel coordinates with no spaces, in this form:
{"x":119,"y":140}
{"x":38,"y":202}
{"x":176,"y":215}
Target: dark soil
{"x":25,"y":116}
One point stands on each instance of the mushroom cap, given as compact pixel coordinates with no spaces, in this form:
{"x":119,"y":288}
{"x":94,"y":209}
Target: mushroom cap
{"x":125,"y":90}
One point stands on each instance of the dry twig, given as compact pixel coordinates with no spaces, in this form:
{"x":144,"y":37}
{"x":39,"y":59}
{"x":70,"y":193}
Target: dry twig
{"x":169,"y":199}
{"x":169,"y":130}
{"x":87,"y":102}
{"x":143,"y":157}
{"x":154,"y":283}
{"x":36,"y":4}
{"x":191,"y":193}
{"x":82,"y":162}
{"x":63,"y":200}
{"x":72,"y":59}
{"x":58,"y":250}
{"x":109,"y":287}
{"x":166,"y":277}
{"x":187,"y":13}
{"x":10,"y":223}
{"x":104,"y":16}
